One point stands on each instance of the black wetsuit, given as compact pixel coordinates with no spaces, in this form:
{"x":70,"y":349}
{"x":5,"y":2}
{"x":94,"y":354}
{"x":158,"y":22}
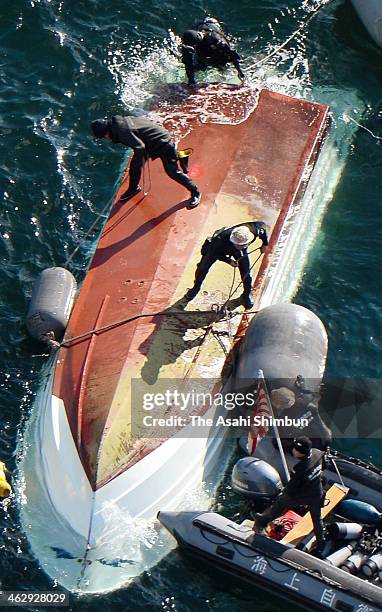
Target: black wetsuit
{"x":303,"y":489}
{"x":315,"y":428}
{"x":210,"y":48}
{"x":147,"y":139}
{"x":220,"y":248}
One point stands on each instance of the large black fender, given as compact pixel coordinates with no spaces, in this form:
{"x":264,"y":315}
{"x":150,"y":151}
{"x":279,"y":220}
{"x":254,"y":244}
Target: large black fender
{"x":284,"y":341}
{"x":51,"y":303}
{"x":289,"y":344}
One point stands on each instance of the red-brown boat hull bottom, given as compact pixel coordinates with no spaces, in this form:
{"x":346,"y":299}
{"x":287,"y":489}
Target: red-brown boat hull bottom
{"x":146,"y":258}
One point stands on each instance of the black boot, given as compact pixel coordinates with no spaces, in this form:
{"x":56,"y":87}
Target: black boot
{"x":318,"y":552}
{"x":247,"y":300}
{"x":258,"y":522}
{"x":195,"y":199}
{"x":129,"y":194}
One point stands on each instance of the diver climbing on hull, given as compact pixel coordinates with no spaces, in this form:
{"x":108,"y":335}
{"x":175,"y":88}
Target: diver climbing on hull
{"x":207,"y":45}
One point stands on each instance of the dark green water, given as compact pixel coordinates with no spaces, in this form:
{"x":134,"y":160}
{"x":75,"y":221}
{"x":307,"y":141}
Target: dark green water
{"x":64,"y":63}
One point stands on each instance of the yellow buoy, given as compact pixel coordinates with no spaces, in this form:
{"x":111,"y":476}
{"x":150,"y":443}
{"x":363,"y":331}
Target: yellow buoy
{"x":5,"y":487}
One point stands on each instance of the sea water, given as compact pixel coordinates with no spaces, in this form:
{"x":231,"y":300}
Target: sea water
{"x":65,"y":63}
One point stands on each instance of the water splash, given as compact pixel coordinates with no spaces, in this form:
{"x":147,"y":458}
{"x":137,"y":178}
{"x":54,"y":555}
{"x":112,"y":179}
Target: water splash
{"x":133,"y":534}
{"x":138,"y":68}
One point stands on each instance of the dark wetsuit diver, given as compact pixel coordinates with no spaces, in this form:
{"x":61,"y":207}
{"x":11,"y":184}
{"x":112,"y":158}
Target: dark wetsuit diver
{"x":147,"y":139}
{"x":300,"y":406}
{"x":230,"y":245}
{"x":205,"y":46}
{"x":303,"y":489}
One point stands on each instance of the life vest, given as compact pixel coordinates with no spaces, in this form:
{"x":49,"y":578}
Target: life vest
{"x":5,"y":487}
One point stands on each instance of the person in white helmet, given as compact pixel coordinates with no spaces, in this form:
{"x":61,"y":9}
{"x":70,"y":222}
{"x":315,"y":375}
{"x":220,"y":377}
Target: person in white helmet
{"x":230,"y":245}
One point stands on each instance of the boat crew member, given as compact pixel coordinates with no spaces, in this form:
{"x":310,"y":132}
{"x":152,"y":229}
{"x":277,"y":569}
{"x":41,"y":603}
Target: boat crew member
{"x":303,"y":489}
{"x":207,"y":45}
{"x":230,"y":245}
{"x":301,"y":408}
{"x":5,"y":487}
{"x":147,"y":139}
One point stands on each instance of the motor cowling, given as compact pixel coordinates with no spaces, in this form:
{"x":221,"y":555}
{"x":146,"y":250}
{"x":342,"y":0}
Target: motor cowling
{"x":255,"y":479}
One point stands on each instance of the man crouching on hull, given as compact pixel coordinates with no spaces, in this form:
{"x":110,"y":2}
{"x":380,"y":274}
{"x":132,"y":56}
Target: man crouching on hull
{"x":303,"y":489}
{"x":147,"y":139}
{"x":230,"y":245}
{"x":205,"y":46}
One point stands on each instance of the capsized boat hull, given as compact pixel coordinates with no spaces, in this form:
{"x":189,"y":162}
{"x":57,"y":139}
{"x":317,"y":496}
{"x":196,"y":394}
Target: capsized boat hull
{"x":97,"y":541}
{"x":99,"y":481}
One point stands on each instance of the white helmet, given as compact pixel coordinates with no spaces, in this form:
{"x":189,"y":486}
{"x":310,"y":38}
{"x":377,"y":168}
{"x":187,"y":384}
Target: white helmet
{"x":282,"y":398}
{"x":241,"y":236}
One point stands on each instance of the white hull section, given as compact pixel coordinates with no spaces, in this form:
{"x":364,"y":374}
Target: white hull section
{"x":98,"y":541}
{"x":370,"y":13}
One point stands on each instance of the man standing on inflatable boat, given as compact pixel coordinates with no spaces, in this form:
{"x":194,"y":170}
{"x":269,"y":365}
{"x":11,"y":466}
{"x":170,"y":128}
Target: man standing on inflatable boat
{"x":303,"y":489}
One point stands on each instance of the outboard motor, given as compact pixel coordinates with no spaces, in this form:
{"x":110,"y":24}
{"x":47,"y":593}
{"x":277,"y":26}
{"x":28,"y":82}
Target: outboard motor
{"x":256,"y":479}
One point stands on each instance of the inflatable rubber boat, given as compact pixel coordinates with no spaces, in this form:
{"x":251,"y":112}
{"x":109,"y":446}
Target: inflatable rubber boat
{"x":276,"y":566}
{"x":289,"y":344}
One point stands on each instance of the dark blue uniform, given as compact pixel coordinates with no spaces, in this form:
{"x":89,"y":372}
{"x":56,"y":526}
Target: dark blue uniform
{"x":147,"y":139}
{"x":220,"y":248}
{"x":303,"y":489}
{"x":207,"y":45}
